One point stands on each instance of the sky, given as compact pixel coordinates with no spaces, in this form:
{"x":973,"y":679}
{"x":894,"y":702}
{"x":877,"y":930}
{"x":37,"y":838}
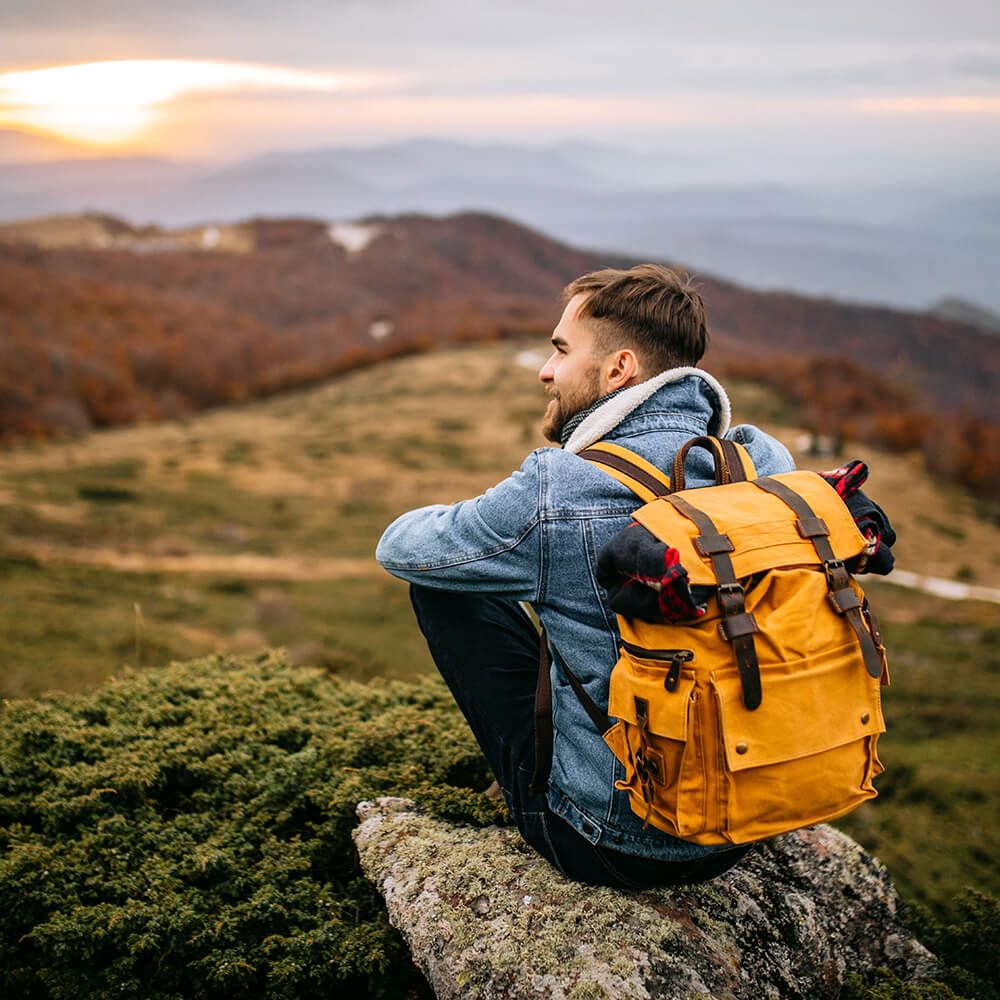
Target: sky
{"x":777,"y":91}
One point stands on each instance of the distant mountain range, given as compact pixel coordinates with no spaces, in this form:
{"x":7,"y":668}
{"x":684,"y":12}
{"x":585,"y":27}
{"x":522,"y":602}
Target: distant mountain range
{"x":907,"y":246}
{"x":312,"y":291}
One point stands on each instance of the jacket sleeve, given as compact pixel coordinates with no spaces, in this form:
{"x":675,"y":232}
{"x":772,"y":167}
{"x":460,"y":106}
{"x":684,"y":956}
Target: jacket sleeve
{"x":769,"y":455}
{"x":492,"y":543}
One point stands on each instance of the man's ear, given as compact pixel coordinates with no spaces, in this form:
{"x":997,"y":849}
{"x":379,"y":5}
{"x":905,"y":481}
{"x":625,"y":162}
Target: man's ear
{"x":620,"y":368}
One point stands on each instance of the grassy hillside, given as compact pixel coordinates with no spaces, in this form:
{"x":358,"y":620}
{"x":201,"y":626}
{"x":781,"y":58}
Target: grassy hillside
{"x":103,"y":324}
{"x":254,"y":526}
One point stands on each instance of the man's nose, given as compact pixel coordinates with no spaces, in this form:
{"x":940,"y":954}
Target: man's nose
{"x":547,"y":372}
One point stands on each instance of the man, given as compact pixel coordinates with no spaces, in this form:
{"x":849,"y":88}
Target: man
{"x":621,"y":370}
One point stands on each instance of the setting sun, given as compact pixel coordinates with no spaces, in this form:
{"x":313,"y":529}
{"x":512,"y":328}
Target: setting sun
{"x":110,"y":103}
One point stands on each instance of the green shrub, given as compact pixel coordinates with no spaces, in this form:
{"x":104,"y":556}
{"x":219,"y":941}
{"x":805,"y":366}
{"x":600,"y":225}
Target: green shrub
{"x":186,"y":832}
{"x":883,"y":985}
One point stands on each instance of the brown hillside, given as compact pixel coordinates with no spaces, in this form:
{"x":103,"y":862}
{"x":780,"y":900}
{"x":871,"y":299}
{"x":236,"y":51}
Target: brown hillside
{"x":152,"y":326}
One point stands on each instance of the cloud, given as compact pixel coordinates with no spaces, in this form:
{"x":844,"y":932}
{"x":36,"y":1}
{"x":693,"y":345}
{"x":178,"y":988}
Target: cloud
{"x":932,"y":105}
{"x":110,"y":102}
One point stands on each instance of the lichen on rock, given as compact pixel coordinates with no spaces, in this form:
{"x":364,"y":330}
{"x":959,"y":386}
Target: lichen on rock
{"x":486,"y":917}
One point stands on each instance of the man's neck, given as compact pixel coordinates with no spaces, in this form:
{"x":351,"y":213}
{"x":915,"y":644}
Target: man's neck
{"x":574,"y":421}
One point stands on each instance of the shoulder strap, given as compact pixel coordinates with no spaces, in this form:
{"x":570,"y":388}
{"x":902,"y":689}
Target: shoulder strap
{"x":543,"y":715}
{"x":643,"y":478}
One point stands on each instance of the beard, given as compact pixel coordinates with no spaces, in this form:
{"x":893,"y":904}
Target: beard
{"x":566,"y":404}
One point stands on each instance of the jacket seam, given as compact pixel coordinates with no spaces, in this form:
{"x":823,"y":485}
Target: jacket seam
{"x":623,"y":430}
{"x":591,"y":513}
{"x":543,"y":583}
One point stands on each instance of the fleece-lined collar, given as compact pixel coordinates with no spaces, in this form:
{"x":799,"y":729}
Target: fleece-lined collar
{"x":610,"y":414}
{"x":578,"y":418}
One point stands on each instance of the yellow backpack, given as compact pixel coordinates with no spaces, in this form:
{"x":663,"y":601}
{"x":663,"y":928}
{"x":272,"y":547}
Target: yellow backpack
{"x":762,"y":716}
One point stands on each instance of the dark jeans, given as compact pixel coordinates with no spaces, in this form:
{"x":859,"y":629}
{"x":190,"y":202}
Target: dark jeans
{"x":487,"y":651}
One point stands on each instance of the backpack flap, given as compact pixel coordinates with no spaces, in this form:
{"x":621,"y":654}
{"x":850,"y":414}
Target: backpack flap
{"x":762,"y":529}
{"x":812,"y":705}
{"x":809,"y":753}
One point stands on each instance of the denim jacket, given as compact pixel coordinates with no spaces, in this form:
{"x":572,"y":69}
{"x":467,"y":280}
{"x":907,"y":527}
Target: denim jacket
{"x":535,"y":537}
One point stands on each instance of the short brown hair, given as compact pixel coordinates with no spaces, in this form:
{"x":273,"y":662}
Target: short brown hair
{"x":649,"y":308}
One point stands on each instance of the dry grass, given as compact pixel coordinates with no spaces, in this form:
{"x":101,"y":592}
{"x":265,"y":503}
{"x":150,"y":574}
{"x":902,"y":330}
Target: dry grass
{"x":296,"y":490}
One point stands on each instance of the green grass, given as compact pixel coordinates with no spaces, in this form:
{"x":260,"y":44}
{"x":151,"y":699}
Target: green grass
{"x":186,"y":832}
{"x":936,"y":820}
{"x":70,"y":627}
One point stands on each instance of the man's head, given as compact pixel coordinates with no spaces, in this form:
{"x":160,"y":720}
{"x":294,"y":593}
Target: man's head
{"x":619,"y":328}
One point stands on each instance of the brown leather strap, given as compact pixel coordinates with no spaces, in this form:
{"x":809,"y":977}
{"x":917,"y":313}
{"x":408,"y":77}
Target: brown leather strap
{"x":655,"y":487}
{"x":543,"y":720}
{"x":843,"y":596}
{"x":598,"y":717}
{"x":722,"y":462}
{"x":543,"y":715}
{"x":737,"y":625}
{"x":737,"y":474}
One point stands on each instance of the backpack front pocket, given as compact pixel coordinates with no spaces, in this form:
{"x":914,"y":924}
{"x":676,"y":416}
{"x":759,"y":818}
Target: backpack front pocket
{"x":808,"y":753}
{"x":654,"y":697}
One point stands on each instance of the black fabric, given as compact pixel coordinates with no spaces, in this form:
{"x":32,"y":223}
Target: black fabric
{"x":543,"y":720}
{"x":486,"y":649}
{"x":874,"y":524}
{"x":645,"y":579}
{"x":871,"y":520}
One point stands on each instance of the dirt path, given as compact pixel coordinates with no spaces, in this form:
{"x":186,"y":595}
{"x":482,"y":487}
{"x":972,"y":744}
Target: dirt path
{"x":305,"y":569}
{"x":951,"y":590}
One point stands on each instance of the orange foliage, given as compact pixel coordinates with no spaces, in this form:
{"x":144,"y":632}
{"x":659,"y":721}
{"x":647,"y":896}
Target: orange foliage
{"x":94,"y":338}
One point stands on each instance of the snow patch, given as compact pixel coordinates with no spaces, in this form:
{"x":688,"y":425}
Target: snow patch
{"x":530,"y":359}
{"x":352,"y":236}
{"x":950,"y":590}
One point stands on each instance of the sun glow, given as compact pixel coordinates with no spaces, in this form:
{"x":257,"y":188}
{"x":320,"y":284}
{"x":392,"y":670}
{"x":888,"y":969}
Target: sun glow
{"x":979,"y":105}
{"x":112,"y":103}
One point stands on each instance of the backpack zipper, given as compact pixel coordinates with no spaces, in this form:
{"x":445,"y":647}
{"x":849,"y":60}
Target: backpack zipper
{"x":681,"y":655}
{"x":675,"y":657}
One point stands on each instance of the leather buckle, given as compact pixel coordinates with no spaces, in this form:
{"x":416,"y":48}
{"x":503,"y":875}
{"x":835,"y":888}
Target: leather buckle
{"x":733,"y":626}
{"x":837,"y":577}
{"x":731,"y":598}
{"x":844,"y":600}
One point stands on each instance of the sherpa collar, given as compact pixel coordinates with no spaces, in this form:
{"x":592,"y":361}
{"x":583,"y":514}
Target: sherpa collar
{"x":578,"y":418}
{"x":610,"y":414}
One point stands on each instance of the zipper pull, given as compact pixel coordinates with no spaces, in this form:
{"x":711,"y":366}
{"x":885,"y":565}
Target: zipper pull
{"x":673,"y":677}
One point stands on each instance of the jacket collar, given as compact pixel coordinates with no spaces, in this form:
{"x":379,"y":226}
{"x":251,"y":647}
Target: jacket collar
{"x":610,"y":414}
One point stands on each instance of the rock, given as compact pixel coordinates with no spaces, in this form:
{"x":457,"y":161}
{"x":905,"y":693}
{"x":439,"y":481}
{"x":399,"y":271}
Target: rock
{"x":486,"y":917}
